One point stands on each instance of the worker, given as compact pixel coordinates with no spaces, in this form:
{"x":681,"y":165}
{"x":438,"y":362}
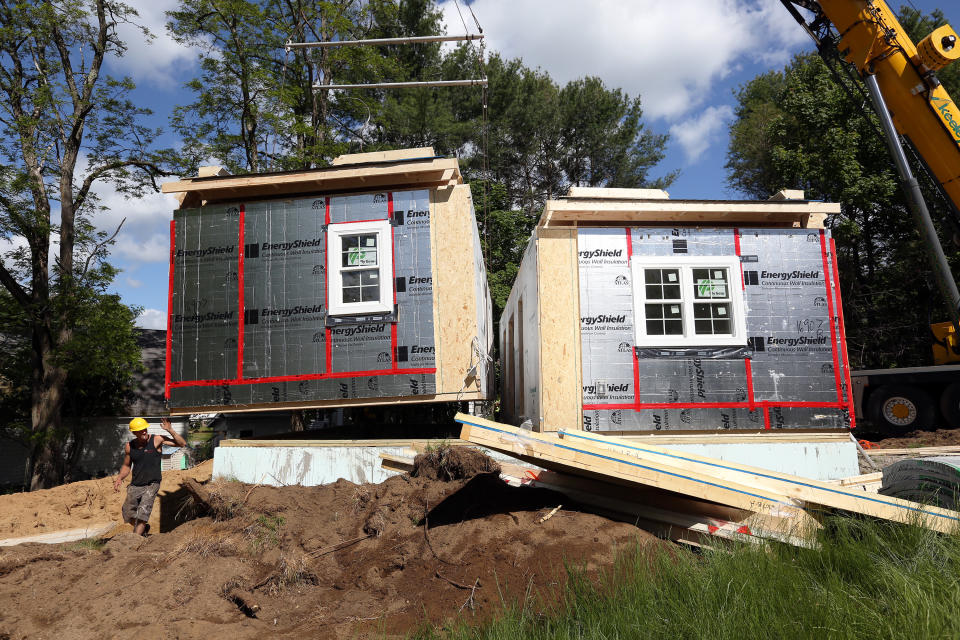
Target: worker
{"x":143,"y":453}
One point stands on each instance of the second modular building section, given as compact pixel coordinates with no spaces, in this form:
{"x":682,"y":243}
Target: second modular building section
{"x":635,"y":313}
{"x":363,"y":283}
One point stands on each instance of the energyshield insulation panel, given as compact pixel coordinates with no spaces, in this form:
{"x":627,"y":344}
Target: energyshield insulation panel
{"x":788,"y":371}
{"x":248,"y":305}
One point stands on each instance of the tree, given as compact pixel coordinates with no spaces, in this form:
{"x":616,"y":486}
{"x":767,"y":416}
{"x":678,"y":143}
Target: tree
{"x":799,"y":129}
{"x":65,"y":127}
{"x":256,"y":108}
{"x":100,"y":360}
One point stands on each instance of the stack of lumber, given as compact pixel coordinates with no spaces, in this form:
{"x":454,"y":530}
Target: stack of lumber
{"x":928,"y":480}
{"x":762,"y":503}
{"x":916,"y":451}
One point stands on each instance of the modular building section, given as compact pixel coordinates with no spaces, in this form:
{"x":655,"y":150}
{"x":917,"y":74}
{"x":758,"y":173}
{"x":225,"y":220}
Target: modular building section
{"x":634,"y":313}
{"x":363,"y":283}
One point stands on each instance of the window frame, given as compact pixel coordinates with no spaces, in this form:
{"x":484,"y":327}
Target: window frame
{"x":335,"y":231}
{"x":686,"y":265}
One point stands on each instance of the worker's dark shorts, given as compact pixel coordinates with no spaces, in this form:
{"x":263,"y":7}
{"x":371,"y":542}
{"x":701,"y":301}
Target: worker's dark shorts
{"x":139,"y":502}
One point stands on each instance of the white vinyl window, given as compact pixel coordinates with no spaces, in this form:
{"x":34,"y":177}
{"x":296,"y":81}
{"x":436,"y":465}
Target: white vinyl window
{"x":359,"y":267}
{"x":688,"y":302}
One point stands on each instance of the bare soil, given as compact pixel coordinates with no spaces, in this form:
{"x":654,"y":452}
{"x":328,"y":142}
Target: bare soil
{"x":88,"y":503}
{"x":335,"y":561}
{"x":919,"y":438}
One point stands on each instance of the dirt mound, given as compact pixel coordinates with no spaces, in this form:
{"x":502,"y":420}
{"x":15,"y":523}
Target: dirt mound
{"x":920,"y":438}
{"x":88,"y":502}
{"x":339,"y":560}
{"x":452,"y":463}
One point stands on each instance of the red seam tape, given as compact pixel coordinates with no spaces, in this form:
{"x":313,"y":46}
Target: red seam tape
{"x":166,"y":374}
{"x":833,"y":335}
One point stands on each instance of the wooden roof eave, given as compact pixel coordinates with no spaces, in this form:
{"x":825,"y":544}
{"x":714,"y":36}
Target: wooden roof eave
{"x":427,"y":174}
{"x":802,"y":214}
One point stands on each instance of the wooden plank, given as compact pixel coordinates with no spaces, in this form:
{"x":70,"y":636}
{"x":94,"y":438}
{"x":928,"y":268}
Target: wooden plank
{"x":412,"y":443}
{"x":558,"y":295}
{"x":383,"y":156}
{"x":918,"y":451}
{"x":400,"y":464}
{"x":64,"y":535}
{"x":586,"y":456}
{"x":607,"y":193}
{"x":411,"y":172}
{"x":876,"y":476}
{"x":810,"y":215}
{"x":811,"y":492}
{"x":455,"y":304}
{"x":464,"y":395}
{"x":679,"y":521}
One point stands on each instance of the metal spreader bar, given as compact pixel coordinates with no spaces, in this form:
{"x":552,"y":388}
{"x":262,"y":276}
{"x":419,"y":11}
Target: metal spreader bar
{"x":381,"y":41}
{"x":401,"y":85}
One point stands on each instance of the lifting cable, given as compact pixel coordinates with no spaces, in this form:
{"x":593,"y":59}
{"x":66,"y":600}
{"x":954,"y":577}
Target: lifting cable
{"x":484,"y":132}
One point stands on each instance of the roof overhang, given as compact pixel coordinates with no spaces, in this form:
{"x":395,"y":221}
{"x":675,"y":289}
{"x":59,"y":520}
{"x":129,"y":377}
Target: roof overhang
{"x":593,"y":212}
{"x":407,"y":174}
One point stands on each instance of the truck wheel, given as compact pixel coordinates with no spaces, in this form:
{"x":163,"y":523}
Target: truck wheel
{"x":901,"y":408}
{"x":950,"y":404}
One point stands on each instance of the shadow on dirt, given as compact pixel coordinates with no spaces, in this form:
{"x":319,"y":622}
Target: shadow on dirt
{"x":486,"y":494}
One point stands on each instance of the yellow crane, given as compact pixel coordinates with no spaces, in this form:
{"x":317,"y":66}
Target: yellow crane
{"x":900,"y":78}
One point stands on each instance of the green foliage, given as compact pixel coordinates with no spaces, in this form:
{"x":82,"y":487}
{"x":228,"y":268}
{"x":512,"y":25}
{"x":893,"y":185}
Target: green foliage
{"x":255,"y":108}
{"x":87,"y":545}
{"x":65,"y":126}
{"x":799,"y":129}
{"x":264,"y":533}
{"x":867,"y":580}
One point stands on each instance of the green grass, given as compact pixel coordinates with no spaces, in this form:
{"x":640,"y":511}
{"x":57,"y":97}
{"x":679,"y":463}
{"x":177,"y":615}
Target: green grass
{"x":88,"y":544}
{"x":264,"y":533}
{"x":867,"y":580}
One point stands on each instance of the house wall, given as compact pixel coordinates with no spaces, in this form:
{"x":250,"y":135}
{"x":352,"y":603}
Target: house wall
{"x":791,"y":374}
{"x":268,"y":343}
{"x":462,"y":299}
{"x":520,"y":344}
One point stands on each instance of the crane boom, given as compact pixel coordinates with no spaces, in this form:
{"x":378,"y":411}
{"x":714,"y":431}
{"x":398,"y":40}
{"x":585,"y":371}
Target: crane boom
{"x":909,"y":99}
{"x":872,"y":39}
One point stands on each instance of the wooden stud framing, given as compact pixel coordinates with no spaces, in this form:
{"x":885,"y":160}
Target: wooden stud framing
{"x":782,"y":513}
{"x":811,"y":492}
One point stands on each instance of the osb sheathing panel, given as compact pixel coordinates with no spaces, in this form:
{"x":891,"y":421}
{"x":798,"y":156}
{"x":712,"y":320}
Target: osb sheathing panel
{"x":455,"y":308}
{"x":558,"y":282}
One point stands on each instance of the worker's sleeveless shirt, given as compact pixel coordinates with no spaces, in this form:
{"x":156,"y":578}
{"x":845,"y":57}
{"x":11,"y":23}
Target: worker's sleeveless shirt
{"x":146,"y":463}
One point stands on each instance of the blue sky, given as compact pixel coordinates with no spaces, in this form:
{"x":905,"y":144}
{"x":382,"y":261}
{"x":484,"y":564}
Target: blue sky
{"x":684,"y":58}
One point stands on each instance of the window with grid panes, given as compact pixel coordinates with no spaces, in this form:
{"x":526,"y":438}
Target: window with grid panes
{"x":688,"y":301}
{"x":359,"y":261}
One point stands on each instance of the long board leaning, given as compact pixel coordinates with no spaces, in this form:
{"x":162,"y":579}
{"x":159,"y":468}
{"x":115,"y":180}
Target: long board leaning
{"x":784,"y":500}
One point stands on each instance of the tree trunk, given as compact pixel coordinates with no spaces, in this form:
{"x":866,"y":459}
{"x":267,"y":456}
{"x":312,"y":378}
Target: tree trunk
{"x":49,"y":385}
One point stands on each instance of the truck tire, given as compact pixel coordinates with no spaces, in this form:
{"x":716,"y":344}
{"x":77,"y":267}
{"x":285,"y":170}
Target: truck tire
{"x":950,"y":404}
{"x":898,"y":408}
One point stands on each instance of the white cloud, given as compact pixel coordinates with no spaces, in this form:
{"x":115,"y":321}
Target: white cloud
{"x":157,"y":59}
{"x":670,"y":53}
{"x":696,"y":134}
{"x":145,"y":234}
{"x":152,"y":319}
{"x":155,"y":248}
{"x":133,"y":282}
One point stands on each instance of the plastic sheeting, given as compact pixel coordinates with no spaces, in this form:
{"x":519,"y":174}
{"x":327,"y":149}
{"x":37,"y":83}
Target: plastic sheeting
{"x":789,"y":374}
{"x":267,"y":340}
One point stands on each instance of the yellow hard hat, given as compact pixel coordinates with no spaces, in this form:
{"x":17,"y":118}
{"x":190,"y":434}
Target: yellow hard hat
{"x":138,"y":424}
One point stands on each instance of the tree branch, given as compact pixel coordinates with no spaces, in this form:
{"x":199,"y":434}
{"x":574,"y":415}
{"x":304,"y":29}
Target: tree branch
{"x":100,"y":245}
{"x":10,"y":284}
